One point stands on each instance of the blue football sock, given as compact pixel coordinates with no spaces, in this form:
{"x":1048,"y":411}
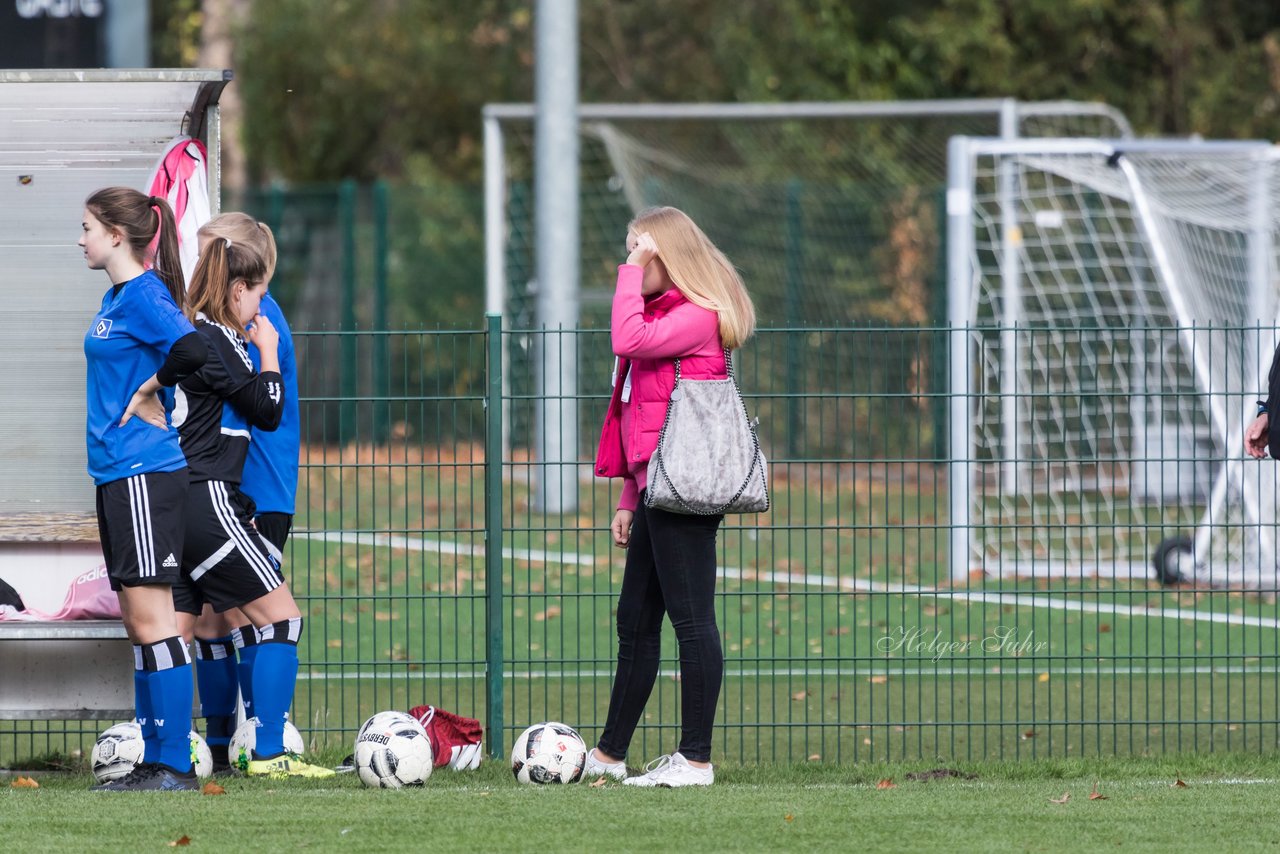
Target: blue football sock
{"x":142,"y":708}
{"x":274,"y":673}
{"x":216,"y":677}
{"x":171,"y":685}
{"x":245,"y":639}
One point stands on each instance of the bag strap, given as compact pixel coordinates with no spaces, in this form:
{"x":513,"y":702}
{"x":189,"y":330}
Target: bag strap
{"x":728,"y":366}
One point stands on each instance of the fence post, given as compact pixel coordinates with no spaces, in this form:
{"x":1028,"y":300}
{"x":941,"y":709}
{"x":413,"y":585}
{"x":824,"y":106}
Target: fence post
{"x":493,"y":535}
{"x":349,"y":384}
{"x":794,"y":285}
{"x":381,"y":348}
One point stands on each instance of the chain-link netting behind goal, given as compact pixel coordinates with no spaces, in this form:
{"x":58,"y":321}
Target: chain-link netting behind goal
{"x":1124,"y":303}
{"x":830,"y":220}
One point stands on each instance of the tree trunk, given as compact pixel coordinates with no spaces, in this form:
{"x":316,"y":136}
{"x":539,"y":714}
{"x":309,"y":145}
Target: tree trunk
{"x":216,"y":51}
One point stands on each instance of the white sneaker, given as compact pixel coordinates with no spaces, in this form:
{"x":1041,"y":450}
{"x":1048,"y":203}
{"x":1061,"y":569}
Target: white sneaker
{"x":596,"y":768}
{"x":672,"y":772}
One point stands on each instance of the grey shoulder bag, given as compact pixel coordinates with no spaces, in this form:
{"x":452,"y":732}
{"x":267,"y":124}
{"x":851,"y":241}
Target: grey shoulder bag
{"x":708,"y":460}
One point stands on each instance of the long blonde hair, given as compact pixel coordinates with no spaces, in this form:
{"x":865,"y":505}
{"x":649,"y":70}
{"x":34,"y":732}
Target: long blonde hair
{"x":700,"y":270}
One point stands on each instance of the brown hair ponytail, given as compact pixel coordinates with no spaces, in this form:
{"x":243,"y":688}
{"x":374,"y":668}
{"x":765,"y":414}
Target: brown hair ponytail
{"x":222,"y":264}
{"x":167,"y":261}
{"x":143,"y":220}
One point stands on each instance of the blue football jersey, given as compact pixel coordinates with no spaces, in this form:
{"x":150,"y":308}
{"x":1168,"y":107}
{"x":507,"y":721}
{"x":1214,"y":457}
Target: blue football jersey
{"x":128,"y":340}
{"x":271,"y":469}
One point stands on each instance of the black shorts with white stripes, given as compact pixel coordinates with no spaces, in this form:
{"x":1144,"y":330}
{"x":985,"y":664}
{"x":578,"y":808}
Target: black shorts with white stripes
{"x":274,"y":528}
{"x":141,"y":524}
{"x":225,"y":561}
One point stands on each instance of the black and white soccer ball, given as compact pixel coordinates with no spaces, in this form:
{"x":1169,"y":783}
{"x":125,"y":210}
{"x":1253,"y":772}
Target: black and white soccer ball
{"x":549,"y":753}
{"x":116,"y":751}
{"x":245,"y":738}
{"x":120,"y":748}
{"x":393,"y":751}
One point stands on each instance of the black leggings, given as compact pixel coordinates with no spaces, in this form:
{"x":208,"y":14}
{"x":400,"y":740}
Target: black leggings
{"x":671,"y":569}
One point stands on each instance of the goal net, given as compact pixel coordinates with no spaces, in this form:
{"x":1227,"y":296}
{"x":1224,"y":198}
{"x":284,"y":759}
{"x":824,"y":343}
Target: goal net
{"x":1118,"y":304}
{"x":831,"y":211}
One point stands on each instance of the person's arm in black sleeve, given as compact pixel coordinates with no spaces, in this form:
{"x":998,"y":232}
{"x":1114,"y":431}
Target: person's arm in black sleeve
{"x":261,"y":401}
{"x":187,"y":355}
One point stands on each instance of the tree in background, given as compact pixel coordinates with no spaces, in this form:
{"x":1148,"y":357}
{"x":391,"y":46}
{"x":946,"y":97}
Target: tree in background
{"x":393,"y":89}
{"x":355,"y":89}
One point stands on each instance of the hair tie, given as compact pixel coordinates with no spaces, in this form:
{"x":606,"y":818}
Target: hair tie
{"x":227,"y":242}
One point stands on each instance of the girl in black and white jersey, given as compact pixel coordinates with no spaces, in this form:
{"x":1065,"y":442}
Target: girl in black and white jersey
{"x":225,"y":562}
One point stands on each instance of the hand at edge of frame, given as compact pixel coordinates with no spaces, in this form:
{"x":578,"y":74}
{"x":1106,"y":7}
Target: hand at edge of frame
{"x":1255,"y":437}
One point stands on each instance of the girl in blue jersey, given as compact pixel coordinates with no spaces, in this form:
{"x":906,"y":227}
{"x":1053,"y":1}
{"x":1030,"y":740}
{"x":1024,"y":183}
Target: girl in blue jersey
{"x":270,"y":481}
{"x":226,"y":564}
{"x":139,"y":342}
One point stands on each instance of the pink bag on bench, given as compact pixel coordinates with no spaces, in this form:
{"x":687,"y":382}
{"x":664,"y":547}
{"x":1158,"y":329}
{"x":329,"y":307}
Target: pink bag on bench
{"x":89,"y":597}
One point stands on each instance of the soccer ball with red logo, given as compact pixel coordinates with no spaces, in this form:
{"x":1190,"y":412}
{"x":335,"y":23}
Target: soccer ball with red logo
{"x":548,"y":753}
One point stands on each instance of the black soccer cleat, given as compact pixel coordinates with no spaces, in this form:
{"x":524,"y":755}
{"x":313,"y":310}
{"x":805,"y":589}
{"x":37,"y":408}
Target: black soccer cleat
{"x":153,"y":777}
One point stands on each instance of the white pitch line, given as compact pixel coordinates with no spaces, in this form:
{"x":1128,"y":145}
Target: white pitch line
{"x":957,"y":671}
{"x":1011,"y":597}
{"x":444,"y":547}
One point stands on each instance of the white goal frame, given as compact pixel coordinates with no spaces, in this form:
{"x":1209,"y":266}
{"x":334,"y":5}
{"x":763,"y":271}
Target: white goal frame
{"x":1228,"y":410}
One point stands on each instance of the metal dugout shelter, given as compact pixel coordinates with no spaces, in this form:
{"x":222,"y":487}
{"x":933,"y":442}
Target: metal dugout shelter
{"x":64,"y":134}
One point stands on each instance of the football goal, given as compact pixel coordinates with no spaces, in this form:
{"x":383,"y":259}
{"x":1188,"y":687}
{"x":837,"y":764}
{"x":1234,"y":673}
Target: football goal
{"x":1112,"y":307}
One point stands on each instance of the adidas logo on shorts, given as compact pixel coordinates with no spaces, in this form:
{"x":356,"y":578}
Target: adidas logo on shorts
{"x":169,"y":562}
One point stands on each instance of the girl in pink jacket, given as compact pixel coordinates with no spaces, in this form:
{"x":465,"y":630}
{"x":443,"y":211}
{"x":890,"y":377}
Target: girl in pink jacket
{"x":677,"y":297}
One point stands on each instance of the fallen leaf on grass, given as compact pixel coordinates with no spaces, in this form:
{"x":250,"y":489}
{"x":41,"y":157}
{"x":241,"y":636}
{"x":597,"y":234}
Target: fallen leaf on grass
{"x":878,"y":680}
{"x":1178,"y":784}
{"x":1104,"y":627}
{"x":887,"y":783}
{"x":1028,"y":734}
{"x":1066,"y":796}
{"x":788,"y":817}
{"x":799,"y":695}
{"x":815,"y":757}
{"x":1095,"y":795}
{"x":181,"y":840}
{"x":25,"y":783}
{"x":212,"y":788}
{"x":551,"y":613}
{"x":335,"y":643}
{"x":598,"y":783}
{"x":1044,"y":677}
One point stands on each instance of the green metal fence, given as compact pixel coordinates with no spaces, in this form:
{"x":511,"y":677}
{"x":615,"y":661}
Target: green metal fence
{"x":428,"y":573}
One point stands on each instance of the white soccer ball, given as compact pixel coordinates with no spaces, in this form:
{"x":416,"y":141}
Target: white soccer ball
{"x":392,"y":751}
{"x":549,"y":753}
{"x":116,"y":751}
{"x":120,"y":747}
{"x":245,"y":738}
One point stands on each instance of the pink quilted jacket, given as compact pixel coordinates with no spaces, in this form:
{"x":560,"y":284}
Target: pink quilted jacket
{"x":648,"y":334}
